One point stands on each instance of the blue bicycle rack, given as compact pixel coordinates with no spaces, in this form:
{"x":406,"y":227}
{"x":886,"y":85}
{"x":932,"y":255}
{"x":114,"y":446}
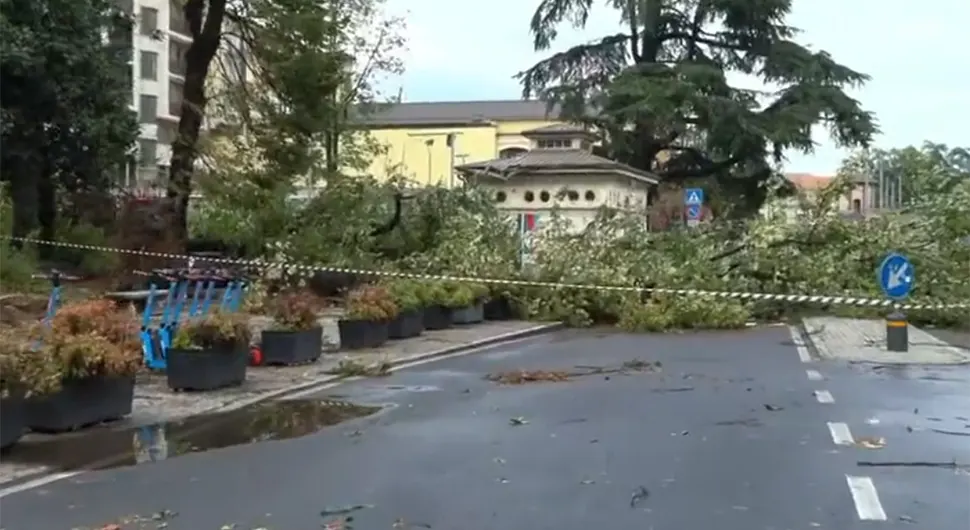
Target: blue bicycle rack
{"x":156,"y":342}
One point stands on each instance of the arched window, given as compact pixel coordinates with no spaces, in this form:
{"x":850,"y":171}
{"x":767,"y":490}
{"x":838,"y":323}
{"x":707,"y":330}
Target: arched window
{"x":511,"y":152}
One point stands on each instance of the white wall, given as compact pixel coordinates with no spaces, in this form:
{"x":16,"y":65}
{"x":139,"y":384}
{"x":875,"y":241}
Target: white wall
{"x":607,"y":190}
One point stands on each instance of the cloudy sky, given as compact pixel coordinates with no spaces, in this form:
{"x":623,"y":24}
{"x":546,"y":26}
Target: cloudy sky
{"x":920,"y":88}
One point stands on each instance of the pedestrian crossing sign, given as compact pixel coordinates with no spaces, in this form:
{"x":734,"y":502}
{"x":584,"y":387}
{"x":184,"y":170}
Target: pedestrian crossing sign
{"x":693,"y":196}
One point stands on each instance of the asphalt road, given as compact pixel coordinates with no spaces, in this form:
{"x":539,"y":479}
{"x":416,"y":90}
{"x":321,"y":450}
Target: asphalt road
{"x":733,"y":432}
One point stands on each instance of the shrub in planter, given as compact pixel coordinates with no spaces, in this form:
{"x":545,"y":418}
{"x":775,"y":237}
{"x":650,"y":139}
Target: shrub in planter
{"x":435,"y":298}
{"x":410,"y":318}
{"x":502,"y":305}
{"x":465,"y":301}
{"x":369,"y":310}
{"x":209,"y":353}
{"x":20,"y":376}
{"x":296,"y":336}
{"x":92,"y":353}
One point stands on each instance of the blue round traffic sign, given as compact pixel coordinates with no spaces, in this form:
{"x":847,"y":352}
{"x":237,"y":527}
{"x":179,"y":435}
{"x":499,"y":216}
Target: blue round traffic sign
{"x":896,"y":276}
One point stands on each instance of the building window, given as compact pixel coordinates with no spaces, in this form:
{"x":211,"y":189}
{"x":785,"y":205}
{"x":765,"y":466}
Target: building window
{"x":149,"y":20}
{"x":148,"y":108}
{"x":167,"y":133}
{"x":590,"y":196}
{"x":500,"y":196}
{"x":573,"y":195}
{"x":856,"y":205}
{"x":544,"y":196}
{"x":147,"y":153}
{"x":512,"y":152}
{"x":554,"y":144}
{"x":149,"y":65}
{"x":529,"y":196}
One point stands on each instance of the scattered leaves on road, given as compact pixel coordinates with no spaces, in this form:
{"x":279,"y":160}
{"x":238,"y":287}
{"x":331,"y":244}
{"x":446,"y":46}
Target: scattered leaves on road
{"x":519,"y":377}
{"x":869,"y":442}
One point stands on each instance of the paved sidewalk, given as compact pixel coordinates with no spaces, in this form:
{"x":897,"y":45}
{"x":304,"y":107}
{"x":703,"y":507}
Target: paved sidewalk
{"x":861,"y":340}
{"x":155,"y":402}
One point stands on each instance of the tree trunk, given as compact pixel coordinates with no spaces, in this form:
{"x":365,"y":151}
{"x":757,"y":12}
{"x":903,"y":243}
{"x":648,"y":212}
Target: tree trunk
{"x":205,"y":43}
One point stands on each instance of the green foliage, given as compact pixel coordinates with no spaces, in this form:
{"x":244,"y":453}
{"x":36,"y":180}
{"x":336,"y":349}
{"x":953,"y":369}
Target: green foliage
{"x":405,"y":293}
{"x":909,"y":175}
{"x":67,"y":125}
{"x":86,"y":262}
{"x":662,"y":88}
{"x":218,"y":331}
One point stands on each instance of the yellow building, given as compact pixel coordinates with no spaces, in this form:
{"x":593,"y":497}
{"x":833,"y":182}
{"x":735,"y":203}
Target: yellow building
{"x":426,"y":141}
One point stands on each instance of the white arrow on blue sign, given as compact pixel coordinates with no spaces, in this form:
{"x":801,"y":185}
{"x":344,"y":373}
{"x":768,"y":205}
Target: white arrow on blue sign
{"x":693,"y":212}
{"x":896,"y":276}
{"x":694,"y":196}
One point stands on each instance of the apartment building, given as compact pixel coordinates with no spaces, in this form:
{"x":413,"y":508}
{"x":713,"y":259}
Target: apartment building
{"x":159,"y":39}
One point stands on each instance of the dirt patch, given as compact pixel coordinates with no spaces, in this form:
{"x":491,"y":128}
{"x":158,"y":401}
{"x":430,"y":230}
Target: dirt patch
{"x":16,"y":309}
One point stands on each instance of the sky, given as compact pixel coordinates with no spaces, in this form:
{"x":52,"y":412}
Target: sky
{"x":920,"y":87}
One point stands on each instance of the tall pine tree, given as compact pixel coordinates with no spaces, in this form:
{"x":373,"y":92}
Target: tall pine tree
{"x":659,"y":91}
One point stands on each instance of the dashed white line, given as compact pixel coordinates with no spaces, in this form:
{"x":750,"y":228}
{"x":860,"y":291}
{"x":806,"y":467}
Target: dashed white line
{"x":814,"y":375}
{"x":800,"y":347}
{"x":866,"y":498}
{"x":841,"y":434}
{"x":824,"y":396}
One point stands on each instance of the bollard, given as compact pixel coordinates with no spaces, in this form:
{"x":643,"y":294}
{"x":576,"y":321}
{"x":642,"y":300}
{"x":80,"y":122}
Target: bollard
{"x":897,"y":332}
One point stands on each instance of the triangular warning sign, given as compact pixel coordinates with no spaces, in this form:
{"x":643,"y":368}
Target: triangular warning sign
{"x":693,"y":198}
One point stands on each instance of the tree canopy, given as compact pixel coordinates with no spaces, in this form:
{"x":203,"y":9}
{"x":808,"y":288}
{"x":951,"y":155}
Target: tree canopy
{"x":910,"y":175}
{"x":66,"y":117}
{"x":660,"y":93}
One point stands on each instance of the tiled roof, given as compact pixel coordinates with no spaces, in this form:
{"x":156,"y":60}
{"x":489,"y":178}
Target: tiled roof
{"x":428,"y":113}
{"x":556,"y":128}
{"x":553,"y":159}
{"x":808,"y":181}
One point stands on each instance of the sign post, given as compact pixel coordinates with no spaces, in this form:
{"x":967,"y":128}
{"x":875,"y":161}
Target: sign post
{"x":694,"y":201}
{"x":896,"y":277}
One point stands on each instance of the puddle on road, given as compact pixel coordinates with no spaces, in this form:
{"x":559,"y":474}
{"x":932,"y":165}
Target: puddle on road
{"x":105,"y":448}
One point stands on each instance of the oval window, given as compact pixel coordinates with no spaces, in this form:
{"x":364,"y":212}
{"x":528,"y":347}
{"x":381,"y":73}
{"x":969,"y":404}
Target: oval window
{"x":573,"y":195}
{"x":500,"y":196}
{"x":544,"y":196}
{"x":590,"y":196}
{"x":529,"y":196}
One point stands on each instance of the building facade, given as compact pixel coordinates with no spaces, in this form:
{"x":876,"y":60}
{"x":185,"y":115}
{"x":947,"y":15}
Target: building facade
{"x":159,"y":39}
{"x":424,"y":142}
{"x":554,"y":169}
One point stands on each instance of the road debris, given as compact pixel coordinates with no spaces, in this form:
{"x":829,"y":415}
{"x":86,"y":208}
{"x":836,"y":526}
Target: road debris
{"x":401,"y":524}
{"x":675,"y":389}
{"x":639,"y":495}
{"x":518,"y":377}
{"x":518,"y":421}
{"x":942,"y":465}
{"x":773,"y":408}
{"x":869,"y":442}
{"x":951,"y":433}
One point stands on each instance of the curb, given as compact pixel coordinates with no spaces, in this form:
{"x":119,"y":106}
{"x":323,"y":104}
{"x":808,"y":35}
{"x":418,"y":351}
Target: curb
{"x":533,"y":331}
{"x":13,"y":485}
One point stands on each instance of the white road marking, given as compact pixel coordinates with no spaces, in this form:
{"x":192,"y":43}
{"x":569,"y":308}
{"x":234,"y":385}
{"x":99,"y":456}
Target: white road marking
{"x":47,"y":479}
{"x":841,"y":434}
{"x":800,"y":347}
{"x":824,"y":396}
{"x":866,"y":498}
{"x":814,"y":375}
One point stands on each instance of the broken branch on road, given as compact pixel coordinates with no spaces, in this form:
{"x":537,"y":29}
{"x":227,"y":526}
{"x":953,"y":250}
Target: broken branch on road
{"x":518,"y":377}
